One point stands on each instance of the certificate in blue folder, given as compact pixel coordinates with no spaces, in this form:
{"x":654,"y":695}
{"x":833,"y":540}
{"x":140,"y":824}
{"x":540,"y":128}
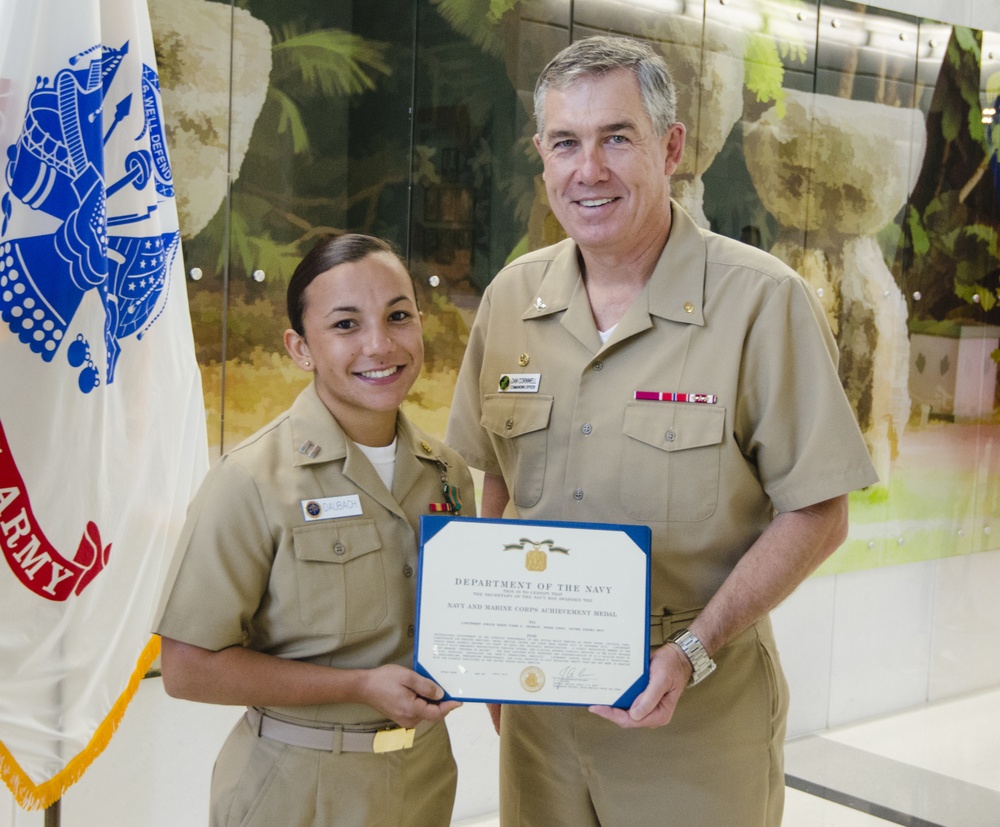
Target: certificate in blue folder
{"x":516,"y":611}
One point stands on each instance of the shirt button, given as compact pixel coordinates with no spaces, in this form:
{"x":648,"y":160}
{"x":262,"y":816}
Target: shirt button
{"x":509,"y":423}
{"x":670,"y":436}
{"x":578,"y":494}
{"x":587,"y":428}
{"x":410,"y":630}
{"x":407,"y":570}
{"x":339,"y":549}
{"x":598,"y":365}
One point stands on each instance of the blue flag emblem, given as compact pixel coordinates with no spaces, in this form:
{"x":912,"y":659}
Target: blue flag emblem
{"x":59,"y":168}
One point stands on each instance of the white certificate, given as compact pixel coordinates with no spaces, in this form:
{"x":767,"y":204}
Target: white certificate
{"x":514,"y":611}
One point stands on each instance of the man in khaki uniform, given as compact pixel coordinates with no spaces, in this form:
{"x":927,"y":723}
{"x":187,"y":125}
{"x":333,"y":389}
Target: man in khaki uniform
{"x":293,"y":591}
{"x":683,"y":381}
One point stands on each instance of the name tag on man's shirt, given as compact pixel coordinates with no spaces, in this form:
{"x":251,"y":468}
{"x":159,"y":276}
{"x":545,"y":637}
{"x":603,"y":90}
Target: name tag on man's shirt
{"x":519,"y":382}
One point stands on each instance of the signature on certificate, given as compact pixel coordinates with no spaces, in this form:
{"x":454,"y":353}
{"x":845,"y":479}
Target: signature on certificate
{"x":572,"y":676}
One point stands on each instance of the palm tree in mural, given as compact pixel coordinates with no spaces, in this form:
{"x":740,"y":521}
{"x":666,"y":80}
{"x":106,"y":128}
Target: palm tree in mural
{"x":292,"y":185}
{"x":272,"y":222}
{"x":477,"y":20}
{"x":492,"y":26}
{"x":270,"y":227}
{"x":296,"y":183}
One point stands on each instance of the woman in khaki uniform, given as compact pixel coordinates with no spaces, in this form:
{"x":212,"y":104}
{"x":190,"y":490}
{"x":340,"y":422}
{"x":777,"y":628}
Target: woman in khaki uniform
{"x":293,"y":591}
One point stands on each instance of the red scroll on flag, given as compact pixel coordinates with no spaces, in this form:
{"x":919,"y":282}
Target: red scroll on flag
{"x":35,"y":561}
{"x":102,"y":424}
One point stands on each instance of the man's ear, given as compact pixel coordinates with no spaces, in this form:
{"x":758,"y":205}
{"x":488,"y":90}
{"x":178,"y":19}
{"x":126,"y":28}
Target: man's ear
{"x":675,"y":147}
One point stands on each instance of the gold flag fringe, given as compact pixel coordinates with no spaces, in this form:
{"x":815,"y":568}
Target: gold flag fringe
{"x":33,"y":797}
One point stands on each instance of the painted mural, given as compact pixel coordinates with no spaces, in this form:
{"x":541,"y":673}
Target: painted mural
{"x":860,"y":146}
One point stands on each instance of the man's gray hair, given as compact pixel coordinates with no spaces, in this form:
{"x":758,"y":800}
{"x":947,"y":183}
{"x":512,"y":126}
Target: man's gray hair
{"x":601,"y":54}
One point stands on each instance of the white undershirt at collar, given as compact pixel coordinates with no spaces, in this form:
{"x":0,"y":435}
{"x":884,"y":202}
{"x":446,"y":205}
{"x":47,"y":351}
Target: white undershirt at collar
{"x":383,"y":459}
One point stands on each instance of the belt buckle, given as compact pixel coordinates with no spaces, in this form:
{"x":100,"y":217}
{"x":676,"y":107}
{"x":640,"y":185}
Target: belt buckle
{"x":390,"y":740}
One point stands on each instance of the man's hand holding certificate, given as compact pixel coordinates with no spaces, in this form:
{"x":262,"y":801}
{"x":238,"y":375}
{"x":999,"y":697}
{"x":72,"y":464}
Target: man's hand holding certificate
{"x":511,"y":611}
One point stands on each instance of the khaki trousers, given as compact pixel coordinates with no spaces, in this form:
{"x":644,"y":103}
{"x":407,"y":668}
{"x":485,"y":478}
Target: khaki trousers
{"x":258,"y":782}
{"x":718,"y":763}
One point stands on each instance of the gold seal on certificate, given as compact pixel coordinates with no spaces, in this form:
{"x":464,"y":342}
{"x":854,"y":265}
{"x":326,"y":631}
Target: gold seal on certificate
{"x":515,"y":611}
{"x":532,"y":678}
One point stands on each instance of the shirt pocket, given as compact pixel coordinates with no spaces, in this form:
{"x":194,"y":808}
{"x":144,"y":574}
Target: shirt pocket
{"x":670,"y":461}
{"x":519,"y":427}
{"x":340,"y":577}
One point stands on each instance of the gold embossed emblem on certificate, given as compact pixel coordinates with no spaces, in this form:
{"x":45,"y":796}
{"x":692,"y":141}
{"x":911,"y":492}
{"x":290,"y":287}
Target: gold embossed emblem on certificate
{"x":532,"y":679}
{"x":536,"y":559}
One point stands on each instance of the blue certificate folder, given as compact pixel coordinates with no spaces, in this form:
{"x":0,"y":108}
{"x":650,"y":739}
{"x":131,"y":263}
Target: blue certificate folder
{"x":536,"y":612}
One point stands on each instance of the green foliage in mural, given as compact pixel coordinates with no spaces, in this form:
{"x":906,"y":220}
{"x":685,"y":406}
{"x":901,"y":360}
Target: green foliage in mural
{"x":498,"y":8}
{"x":477,"y":20}
{"x":327,"y":62}
{"x":764,"y":60}
{"x":949,"y":254}
{"x":764,"y":71}
{"x":270,"y":227}
{"x":331,"y":62}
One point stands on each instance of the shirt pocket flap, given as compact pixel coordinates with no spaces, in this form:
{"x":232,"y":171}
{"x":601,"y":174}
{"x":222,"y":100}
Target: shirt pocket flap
{"x":675,"y":426}
{"x":337,"y":542}
{"x":513,"y":415}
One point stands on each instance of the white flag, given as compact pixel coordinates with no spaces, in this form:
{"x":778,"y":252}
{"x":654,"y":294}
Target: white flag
{"x":102,"y":431}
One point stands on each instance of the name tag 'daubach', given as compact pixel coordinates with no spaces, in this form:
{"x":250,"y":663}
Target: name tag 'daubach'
{"x":330,"y":508}
{"x":514,"y":611}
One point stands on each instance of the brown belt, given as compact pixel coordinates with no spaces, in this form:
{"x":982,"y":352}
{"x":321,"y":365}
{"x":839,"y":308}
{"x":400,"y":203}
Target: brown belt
{"x":661,"y":627}
{"x":336,"y":739}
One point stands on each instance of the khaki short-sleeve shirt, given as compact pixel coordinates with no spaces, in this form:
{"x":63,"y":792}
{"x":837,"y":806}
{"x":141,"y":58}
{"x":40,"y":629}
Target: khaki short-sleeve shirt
{"x":252,"y":568}
{"x":543,"y":402}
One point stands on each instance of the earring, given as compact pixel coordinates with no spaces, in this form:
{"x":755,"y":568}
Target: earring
{"x":308,"y":364}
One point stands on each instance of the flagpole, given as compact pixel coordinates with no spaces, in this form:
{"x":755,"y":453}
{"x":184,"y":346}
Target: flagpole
{"x":52,"y":813}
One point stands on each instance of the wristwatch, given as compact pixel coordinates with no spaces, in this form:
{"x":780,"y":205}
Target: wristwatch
{"x":701,"y":664}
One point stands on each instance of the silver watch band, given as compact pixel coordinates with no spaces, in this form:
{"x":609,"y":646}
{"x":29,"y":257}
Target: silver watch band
{"x":701,"y":664}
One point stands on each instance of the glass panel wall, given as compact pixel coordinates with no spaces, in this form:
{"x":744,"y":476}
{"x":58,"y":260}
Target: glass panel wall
{"x":857,"y":145}
{"x":318,"y":141}
{"x":866,"y":62}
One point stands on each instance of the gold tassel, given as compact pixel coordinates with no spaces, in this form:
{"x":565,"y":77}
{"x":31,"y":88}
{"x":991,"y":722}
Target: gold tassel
{"x":34,"y":797}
